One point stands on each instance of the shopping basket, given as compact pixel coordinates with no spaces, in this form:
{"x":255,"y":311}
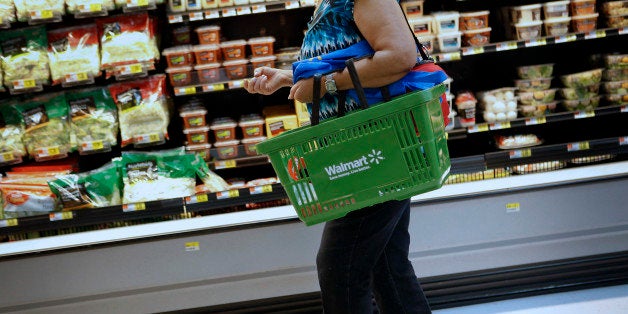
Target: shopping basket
{"x":390,"y":151}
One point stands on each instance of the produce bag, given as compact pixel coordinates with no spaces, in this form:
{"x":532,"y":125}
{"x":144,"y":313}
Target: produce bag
{"x":12,"y":148}
{"x":39,"y":10}
{"x":94,"y":120}
{"x":89,"y":6}
{"x":142,"y":110}
{"x":97,"y":188}
{"x":7,"y":12}
{"x":27,"y":193}
{"x":24,"y":58}
{"x":211,"y":181}
{"x":74,"y":54}
{"x":47,"y":129}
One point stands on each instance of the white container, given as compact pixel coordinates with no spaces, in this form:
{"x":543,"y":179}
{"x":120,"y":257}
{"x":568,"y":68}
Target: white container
{"x":445,"y":22}
{"x":428,"y":41}
{"x":209,"y":4}
{"x":194,"y":5}
{"x":421,"y":25}
{"x":556,"y":9}
{"x":412,"y":8}
{"x":525,"y":13}
{"x":225,"y":3}
{"x":557,"y":26}
{"x":529,"y":30}
{"x":449,"y":41}
{"x":240,"y":2}
{"x":177,"y":5}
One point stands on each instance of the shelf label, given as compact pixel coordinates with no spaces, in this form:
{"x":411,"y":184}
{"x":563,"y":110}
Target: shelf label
{"x":24,"y":84}
{"x":482,"y":127}
{"x":243,"y":10}
{"x":565,"y":38}
{"x":76,"y":77}
{"x":133,"y":207}
{"x":147,"y":138}
{"x":537,"y":120}
{"x":136,"y":3}
{"x":190,"y":90}
{"x":6,"y":157}
{"x":473,"y":50}
{"x":500,"y":125}
{"x":41,"y":15}
{"x":229,"y":12}
{"x":258,"y":9}
{"x":48,"y":151}
{"x":513,"y":207}
{"x":94,"y":145}
{"x":192,"y":246}
{"x":236,"y":84}
{"x":506,"y":46}
{"x":536,"y":42}
{"x":520,"y":153}
{"x":201,"y":198}
{"x":574,"y":147}
{"x":8,"y":223}
{"x":261,"y":189}
{"x":175,"y":19}
{"x":61,"y":216}
{"x":213,"y":14}
{"x":623,"y":30}
{"x":225,"y":164}
{"x":214,"y":87}
{"x":595,"y":34}
{"x":292,"y":5}
{"x":623,"y":141}
{"x":227,"y":194}
{"x":90,"y":8}
{"x":623,"y":109}
{"x":452,"y":56}
{"x":584,"y":114}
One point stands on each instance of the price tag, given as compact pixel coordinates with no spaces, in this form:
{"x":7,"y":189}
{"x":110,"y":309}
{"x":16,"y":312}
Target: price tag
{"x":61,"y":216}
{"x":90,"y":8}
{"x":201,"y":198}
{"x":196,"y":16}
{"x":236,"y":84}
{"x":213,"y":14}
{"x":190,"y":90}
{"x":623,"y":30}
{"x":500,"y":125}
{"x":623,"y":109}
{"x":565,"y":38}
{"x":229,"y":12}
{"x":292,"y":5}
{"x":473,"y":50}
{"x":243,"y":10}
{"x":6,"y":157}
{"x":506,"y":46}
{"x":133,"y":207}
{"x":76,"y":77}
{"x":136,"y":3}
{"x":41,"y":15}
{"x":214,"y":87}
{"x":520,"y":153}
{"x":482,"y":127}
{"x":258,"y":8}
{"x":48,"y":151}
{"x":261,"y":189}
{"x":24,"y":84}
{"x":537,"y":120}
{"x":536,"y":42}
{"x":225,"y":164}
{"x":623,"y":141}
{"x":91,"y":146}
{"x":8,"y":223}
{"x":147,"y":138}
{"x":584,"y":114}
{"x":513,"y":207}
{"x":227,"y":194}
{"x":595,"y":34}
{"x":574,"y":147}
{"x":175,"y":19}
{"x":192,"y":246}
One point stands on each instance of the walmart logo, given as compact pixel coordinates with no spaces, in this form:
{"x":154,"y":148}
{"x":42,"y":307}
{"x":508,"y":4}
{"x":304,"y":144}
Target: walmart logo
{"x":375,"y":157}
{"x":363,"y":163}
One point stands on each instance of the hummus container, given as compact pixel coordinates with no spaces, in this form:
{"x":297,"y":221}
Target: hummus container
{"x":202,"y":149}
{"x":179,"y":56}
{"x":534,"y":84}
{"x":197,"y":136}
{"x":227,"y":149}
{"x":209,"y":4}
{"x":556,"y":9}
{"x":224,"y":129}
{"x":558,"y":26}
{"x":251,"y":125}
{"x":267,"y":61}
{"x":474,"y":20}
{"x":209,"y":34}
{"x":535,"y":71}
{"x":206,"y":53}
{"x":193,"y":118}
{"x":225,"y":3}
{"x":236,"y":69}
{"x":249,"y":145}
{"x":412,"y":8}
{"x":616,"y":87}
{"x":574,"y":93}
{"x":587,"y":104}
{"x":208,"y":73}
{"x":427,"y":41}
{"x":180,"y":76}
{"x":421,"y":25}
{"x":614,"y":8}
{"x":582,"y":7}
{"x":233,"y":50}
{"x":617,"y":21}
{"x":584,"y":23}
{"x":476,"y":37}
{"x":525,"y":13}
{"x":528,"y":30}
{"x":261,"y":46}
{"x":449,"y":42}
{"x":446,"y":22}
{"x":582,"y":79}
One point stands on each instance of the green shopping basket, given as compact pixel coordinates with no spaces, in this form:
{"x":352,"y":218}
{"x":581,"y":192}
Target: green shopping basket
{"x":390,"y":151}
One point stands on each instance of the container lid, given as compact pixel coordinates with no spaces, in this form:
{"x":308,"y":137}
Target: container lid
{"x":264,"y":58}
{"x":253,"y":140}
{"x":233,"y":43}
{"x":527,"y":7}
{"x":207,"y":28}
{"x":206,"y":66}
{"x":553,"y":20}
{"x":450,"y":34}
{"x":582,"y":0}
{"x":178,"y":69}
{"x":261,"y":40}
{"x":547,"y":4}
{"x":528,"y":24}
{"x":583,"y":17}
{"x":205,"y":47}
{"x":177,"y":50}
{"x":251,"y":119}
{"x":196,"y":130}
{"x":235,"y":62}
{"x":475,"y":13}
{"x":198,"y":146}
{"x":192,"y":112}
{"x":419,"y":19}
{"x":477,"y":31}
{"x":226,"y":143}
{"x":445,"y":15}
{"x":222,"y":123}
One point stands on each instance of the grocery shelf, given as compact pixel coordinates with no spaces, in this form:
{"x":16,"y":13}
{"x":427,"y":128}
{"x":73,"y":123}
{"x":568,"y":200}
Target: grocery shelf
{"x":247,"y":9}
{"x":208,"y":87}
{"x":239,"y":162}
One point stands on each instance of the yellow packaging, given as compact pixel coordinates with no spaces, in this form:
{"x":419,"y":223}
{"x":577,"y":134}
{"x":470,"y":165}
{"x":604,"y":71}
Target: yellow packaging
{"x":279,"y":119}
{"x":303,"y":116}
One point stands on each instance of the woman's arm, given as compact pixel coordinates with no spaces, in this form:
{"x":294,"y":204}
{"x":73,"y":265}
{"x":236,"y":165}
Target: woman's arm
{"x":267,"y":80}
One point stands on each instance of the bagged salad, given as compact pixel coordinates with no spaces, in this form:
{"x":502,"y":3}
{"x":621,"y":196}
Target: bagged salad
{"x":28,"y":194}
{"x":97,"y":188}
{"x":47,"y":129}
{"x":7,"y":13}
{"x":39,"y":10}
{"x":142,"y":111}
{"x":94,"y":119}
{"x":24,"y":58}
{"x":74,"y":54}
{"x":12,"y":148}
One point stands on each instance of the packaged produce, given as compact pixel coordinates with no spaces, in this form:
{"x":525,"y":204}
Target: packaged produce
{"x":208,"y":35}
{"x":466,"y":103}
{"x":580,"y":92}
{"x":617,"y":87}
{"x":20,"y":200}
{"x":142,"y":110}
{"x":195,"y":136}
{"x":615,"y":8}
{"x":616,"y":61}
{"x":517,"y":141}
{"x":537,"y":97}
{"x":179,"y":56}
{"x":582,"y":7}
{"x":233,"y":50}
{"x":74,"y":54}
{"x":617,"y":99}
{"x":39,"y":10}
{"x":474,"y":20}
{"x":202,"y":150}
{"x":584,"y":23}
{"x":224,"y":129}
{"x":7,"y":12}
{"x":586,"y":104}
{"x":617,"y":21}
{"x":94,"y":119}
{"x":24,"y":58}
{"x":47,"y":129}
{"x":582,"y":79}
{"x":97,"y":188}
{"x":206,"y":54}
{"x":252,"y":125}
{"x":528,"y":30}
{"x":227,"y":149}
{"x":249,"y":145}
{"x":262,"y":46}
{"x":12,"y":148}
{"x":556,"y":9}
{"x":208,"y":73}
{"x":534,"y":84}
{"x":615,"y":74}
{"x":236,"y":69}
{"x":558,"y":26}
{"x":449,"y":42}
{"x":525,"y":13}
{"x":211,"y":181}
{"x":90,"y":7}
{"x":180,"y":76}
{"x":535,"y":71}
{"x":538,"y":109}
{"x":193,"y":117}
{"x":476,"y":37}
{"x":126,"y":39}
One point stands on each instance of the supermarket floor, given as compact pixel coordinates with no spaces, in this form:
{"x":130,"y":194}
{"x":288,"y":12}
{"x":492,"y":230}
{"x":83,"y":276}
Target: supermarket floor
{"x":606,"y":300}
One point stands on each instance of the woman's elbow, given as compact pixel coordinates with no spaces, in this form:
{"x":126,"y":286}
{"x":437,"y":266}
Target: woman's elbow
{"x":406,"y":58}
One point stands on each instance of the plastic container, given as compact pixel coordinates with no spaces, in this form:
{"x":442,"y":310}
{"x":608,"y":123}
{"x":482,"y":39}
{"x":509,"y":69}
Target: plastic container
{"x":225,"y":3}
{"x":616,"y":61}
{"x":224,"y":129}
{"x":538,"y":97}
{"x":250,"y":145}
{"x":197,"y":136}
{"x":557,"y":26}
{"x":582,"y":79}
{"x":476,"y":37}
{"x":615,"y":74}
{"x":556,"y":9}
{"x":573,"y":93}
{"x":193,"y":117}
{"x":202,"y":149}
{"x":208,"y":73}
{"x":288,"y":54}
{"x":534,"y":84}
{"x":209,"y":34}
{"x":616,"y":87}
{"x":584,"y":23}
{"x":209,"y":4}
{"x":181,"y":35}
{"x":251,"y":125}
{"x":261,"y":46}
{"x":617,"y":99}
{"x":412,"y":8}
{"x":421,"y":25}
{"x":474,"y":20}
{"x":529,"y":30}
{"x":581,"y":104}
{"x":428,"y":41}
{"x":179,"y":56}
{"x":267,"y":61}
{"x":236,"y":69}
{"x":449,"y":42}
{"x":194,"y":5}
{"x":227,"y":149}
{"x":538,"y":109}
{"x":180,"y":76}
{"x":617,"y":21}
{"x":206,"y":53}
{"x":615,"y":8}
{"x":240,"y":2}
{"x":535,"y":71}
{"x":446,"y":22}
{"x":233,"y":49}
{"x":525,"y":13}
{"x":177,"y":5}
{"x":582,"y":7}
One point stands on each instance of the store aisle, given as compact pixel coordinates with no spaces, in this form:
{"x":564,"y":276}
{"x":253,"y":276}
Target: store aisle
{"x":607,"y":300}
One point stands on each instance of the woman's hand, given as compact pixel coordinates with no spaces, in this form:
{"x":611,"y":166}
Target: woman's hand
{"x":303,"y":90}
{"x":268,"y":80}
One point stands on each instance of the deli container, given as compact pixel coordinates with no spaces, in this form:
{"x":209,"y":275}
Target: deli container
{"x":225,"y":3}
{"x":446,"y":22}
{"x":267,"y":61}
{"x":536,"y":71}
{"x":476,"y":37}
{"x":197,"y":136}
{"x":412,"y":8}
{"x":208,"y":73}
{"x":449,"y":42}
{"x":574,"y":93}
{"x":615,"y":8}
{"x":538,"y":109}
{"x":587,"y":104}
{"x":227,"y":149}
{"x":193,"y":117}
{"x":224,"y":129}
{"x":427,"y":41}
{"x":528,"y":30}
{"x":209,"y":4}
{"x":617,"y":21}
{"x":181,"y":35}
{"x":616,"y":87}
{"x":584,"y":23}
{"x":557,"y":26}
{"x":193,"y":5}
{"x":582,"y":7}
{"x":261,"y":46}
{"x":177,"y":5}
{"x":236,"y":69}
{"x":582,"y":79}
{"x":421,"y":25}
{"x":233,"y":49}
{"x":249,"y":145}
{"x":617,"y":99}
{"x":537,"y":97}
{"x":616,"y":61}
{"x":288,"y":54}
{"x":206,"y":53}
{"x":534,"y":84}
{"x":202,"y":149}
{"x":556,"y":9}
{"x":615,"y":74}
{"x":240,"y":2}
{"x":525,"y":13}
{"x":209,"y":34}
{"x":474,"y":20}
{"x":179,"y":56}
{"x":180,"y":76}
{"x":252,"y":125}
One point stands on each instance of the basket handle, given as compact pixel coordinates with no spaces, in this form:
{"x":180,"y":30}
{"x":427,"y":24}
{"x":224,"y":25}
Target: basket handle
{"x":316,"y":101}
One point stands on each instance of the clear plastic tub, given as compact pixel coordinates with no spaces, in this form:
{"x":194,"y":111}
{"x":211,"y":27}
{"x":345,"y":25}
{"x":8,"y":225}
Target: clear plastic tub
{"x":261,"y":46}
{"x":582,"y":7}
{"x":525,"y":13}
{"x":616,"y":61}
{"x":224,"y":129}
{"x":193,"y":117}
{"x":251,"y":125}
{"x":446,"y":22}
{"x":615,"y":8}
{"x":202,"y":149}
{"x":227,"y":149}
{"x":556,"y":9}
{"x":249,"y":145}
{"x":582,"y":79}
{"x":209,"y":4}
{"x":205,"y":54}
{"x":179,"y":56}
{"x":617,"y":21}
{"x":476,"y":37}
{"x":557,"y":26}
{"x":267,"y":61}
{"x":180,"y":76}
{"x":233,"y":49}
{"x":529,"y":30}
{"x":584,"y":23}
{"x":412,"y":8}
{"x":449,"y":42}
{"x":535,"y":71}
{"x":208,"y":73}
{"x":537,"y":97}
{"x":534,"y":84}
{"x":421,"y":25}
{"x":474,"y":20}
{"x":240,"y":2}
{"x":236,"y":69}
{"x":197,"y":136}
{"x":209,"y":34}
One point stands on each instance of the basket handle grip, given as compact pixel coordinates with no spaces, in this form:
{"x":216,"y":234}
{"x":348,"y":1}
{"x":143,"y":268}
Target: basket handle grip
{"x":353,"y":73}
{"x":316,"y":101}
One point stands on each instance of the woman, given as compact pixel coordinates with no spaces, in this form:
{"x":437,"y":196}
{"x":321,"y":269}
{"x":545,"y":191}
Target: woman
{"x":366,"y":252}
